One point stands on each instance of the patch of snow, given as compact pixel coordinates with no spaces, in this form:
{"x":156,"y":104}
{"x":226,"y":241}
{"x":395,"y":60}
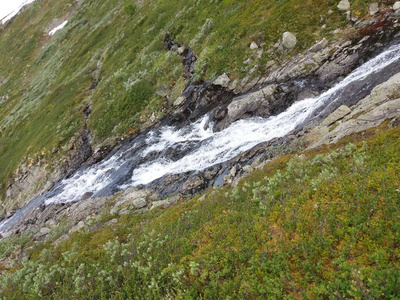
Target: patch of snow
{"x":54,"y":30}
{"x":9,"y":9}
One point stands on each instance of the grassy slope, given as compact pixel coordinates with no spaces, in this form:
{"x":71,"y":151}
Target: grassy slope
{"x":48,"y":80}
{"x":316,"y":226}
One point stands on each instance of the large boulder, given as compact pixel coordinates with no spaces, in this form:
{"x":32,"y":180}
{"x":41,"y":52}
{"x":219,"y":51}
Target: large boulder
{"x":289,"y":40}
{"x":245,"y":105}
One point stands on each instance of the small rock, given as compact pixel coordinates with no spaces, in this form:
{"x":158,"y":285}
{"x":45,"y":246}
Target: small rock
{"x":234,"y":170}
{"x":139,"y":203}
{"x":253,"y":46}
{"x":373,"y":8}
{"x":319,"y":45}
{"x":396,"y":5}
{"x":330,"y":12}
{"x":81,"y":225}
{"x":289,"y":40}
{"x":344,"y":5}
{"x":227,"y":179}
{"x":247,"y":61}
{"x":163,"y":90}
{"x":248,"y":169}
{"x":181,"y":50}
{"x":179,"y":101}
{"x":222,"y":80}
{"x":337,"y":31}
{"x":160,"y":204}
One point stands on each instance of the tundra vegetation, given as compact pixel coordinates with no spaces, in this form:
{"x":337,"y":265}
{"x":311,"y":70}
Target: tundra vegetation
{"x":319,"y":224}
{"x":315,"y":225}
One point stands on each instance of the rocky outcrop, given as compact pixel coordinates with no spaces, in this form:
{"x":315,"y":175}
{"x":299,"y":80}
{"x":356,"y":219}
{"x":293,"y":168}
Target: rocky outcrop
{"x":246,"y":105}
{"x":381,"y":104}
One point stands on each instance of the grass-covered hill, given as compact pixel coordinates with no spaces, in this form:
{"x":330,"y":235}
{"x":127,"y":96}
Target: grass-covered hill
{"x":322,"y":224}
{"x":111,"y":59}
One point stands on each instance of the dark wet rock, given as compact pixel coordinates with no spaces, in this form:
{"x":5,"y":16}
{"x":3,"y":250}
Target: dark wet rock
{"x":82,"y":151}
{"x":86,"y":196}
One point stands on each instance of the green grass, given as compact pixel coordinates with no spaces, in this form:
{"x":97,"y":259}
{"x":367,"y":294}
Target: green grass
{"x":320,"y":225}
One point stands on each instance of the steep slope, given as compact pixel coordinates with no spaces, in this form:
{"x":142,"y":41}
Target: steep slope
{"x":108,"y":71}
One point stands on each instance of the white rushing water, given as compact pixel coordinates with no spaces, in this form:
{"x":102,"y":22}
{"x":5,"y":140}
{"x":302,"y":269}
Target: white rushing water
{"x":203,"y":147}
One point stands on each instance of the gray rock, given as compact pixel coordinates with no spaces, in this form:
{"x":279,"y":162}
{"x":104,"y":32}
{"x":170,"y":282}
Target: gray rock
{"x":222,"y":80}
{"x":341,"y":65}
{"x":319,"y":45}
{"x":181,"y":50}
{"x":380,"y":94}
{"x":233,"y":171}
{"x":134,"y":196}
{"x":165,"y":203}
{"x":77,"y":227}
{"x":373,"y":8}
{"x":160,"y":204}
{"x":193,"y":183}
{"x":366,"y":121}
{"x":396,"y":5}
{"x":163,"y":90}
{"x":44,"y":231}
{"x":249,"y":103}
{"x":179,"y":101}
{"x":86,"y":196}
{"x":248,"y":169}
{"x":337,"y":115}
{"x":139,"y":203}
{"x":289,"y":40}
{"x":253,"y":46}
{"x":344,"y":5}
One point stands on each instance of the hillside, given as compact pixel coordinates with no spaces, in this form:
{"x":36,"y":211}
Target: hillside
{"x":172,"y":149}
{"x":103,"y":70}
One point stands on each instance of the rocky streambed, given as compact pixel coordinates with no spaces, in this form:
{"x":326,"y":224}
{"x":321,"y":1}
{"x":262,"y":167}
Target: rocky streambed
{"x":216,"y":133}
